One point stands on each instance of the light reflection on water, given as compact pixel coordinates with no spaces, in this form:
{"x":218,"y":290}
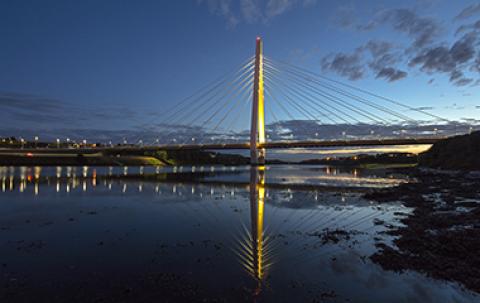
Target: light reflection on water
{"x":72,"y":177}
{"x":282,"y":233}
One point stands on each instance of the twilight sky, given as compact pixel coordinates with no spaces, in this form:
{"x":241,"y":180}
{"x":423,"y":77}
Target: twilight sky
{"x":115,"y":65}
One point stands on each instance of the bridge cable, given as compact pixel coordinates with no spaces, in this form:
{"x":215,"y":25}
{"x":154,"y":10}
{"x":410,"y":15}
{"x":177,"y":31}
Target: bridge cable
{"x":246,"y":92}
{"x":363,"y":91}
{"x":218,"y":81}
{"x":344,"y":93}
{"x":223,"y":106}
{"x":207,"y":92}
{"x":326,"y":109}
{"x":239,"y":87}
{"x":232,"y":86}
{"x":369,"y":103}
{"x":296,"y":106}
{"x":283,"y":84}
{"x":340,"y":102}
{"x":314,"y":100}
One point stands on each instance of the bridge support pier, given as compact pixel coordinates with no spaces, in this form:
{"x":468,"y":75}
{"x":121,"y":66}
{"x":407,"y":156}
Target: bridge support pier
{"x":257,"y":129}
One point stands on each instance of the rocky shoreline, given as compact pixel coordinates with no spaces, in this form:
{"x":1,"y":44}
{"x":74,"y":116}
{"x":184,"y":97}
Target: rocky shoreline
{"x":440,"y":238}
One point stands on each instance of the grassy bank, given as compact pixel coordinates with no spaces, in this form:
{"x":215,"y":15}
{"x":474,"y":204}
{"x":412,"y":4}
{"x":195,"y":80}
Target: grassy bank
{"x":77,"y":160}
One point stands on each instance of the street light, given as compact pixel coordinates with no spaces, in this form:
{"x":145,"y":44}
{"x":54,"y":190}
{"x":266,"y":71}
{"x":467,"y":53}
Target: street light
{"x":36,"y":141}
{"x":58,"y":143}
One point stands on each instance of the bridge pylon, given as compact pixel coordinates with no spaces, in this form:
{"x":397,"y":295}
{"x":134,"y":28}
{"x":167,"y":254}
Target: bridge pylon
{"x":257,"y":129}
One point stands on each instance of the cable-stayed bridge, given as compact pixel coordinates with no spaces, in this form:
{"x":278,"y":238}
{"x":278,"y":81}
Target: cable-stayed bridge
{"x":263,"y":88}
{"x":253,"y":107}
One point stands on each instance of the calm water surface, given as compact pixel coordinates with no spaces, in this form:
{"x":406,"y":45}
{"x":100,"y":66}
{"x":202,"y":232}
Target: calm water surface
{"x":273,"y":234}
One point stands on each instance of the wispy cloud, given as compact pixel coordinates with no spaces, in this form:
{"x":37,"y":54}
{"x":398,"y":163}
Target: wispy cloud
{"x":222,"y":8}
{"x":468,"y":12}
{"x":32,"y":111}
{"x":252,"y":11}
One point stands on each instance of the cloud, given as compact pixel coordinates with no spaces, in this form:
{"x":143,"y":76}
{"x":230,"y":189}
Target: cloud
{"x":446,"y":59}
{"x":347,"y":65}
{"x":391,"y":74}
{"x":422,"y":30}
{"x":344,"y":16}
{"x":27,"y":102}
{"x":423,"y":108}
{"x":282,"y":130}
{"x":222,"y":8}
{"x":391,"y":62}
{"x":278,"y":7}
{"x":252,"y":11}
{"x":468,"y":27}
{"x":383,"y":58}
{"x":354,"y":65}
{"x":307,"y":130}
{"x":33,"y":111}
{"x":468,"y":12}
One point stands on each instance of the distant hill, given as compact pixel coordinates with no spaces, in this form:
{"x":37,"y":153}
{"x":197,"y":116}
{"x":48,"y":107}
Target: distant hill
{"x":456,"y":153}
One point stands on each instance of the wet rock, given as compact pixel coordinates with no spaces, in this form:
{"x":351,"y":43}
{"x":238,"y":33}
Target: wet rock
{"x":439,"y":239}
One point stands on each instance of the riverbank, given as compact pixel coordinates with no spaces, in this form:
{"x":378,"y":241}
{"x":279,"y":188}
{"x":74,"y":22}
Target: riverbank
{"x":440,"y":237}
{"x":51,"y":157}
{"x":77,"y":160}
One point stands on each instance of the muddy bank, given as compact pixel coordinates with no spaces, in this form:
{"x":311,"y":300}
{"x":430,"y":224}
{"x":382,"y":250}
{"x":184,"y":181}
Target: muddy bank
{"x":441,"y":236}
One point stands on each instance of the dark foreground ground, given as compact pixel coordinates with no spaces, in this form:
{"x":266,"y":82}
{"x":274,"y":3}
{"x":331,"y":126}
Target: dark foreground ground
{"x":441,"y":237}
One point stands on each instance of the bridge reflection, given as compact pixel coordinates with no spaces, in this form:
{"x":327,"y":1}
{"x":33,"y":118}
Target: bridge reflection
{"x":254,"y":251}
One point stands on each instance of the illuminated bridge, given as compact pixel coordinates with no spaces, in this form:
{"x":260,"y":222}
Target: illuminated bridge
{"x":252,"y":107}
{"x":274,"y":86}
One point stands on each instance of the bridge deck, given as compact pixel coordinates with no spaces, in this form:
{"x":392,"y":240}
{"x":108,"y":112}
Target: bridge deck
{"x":231,"y":146}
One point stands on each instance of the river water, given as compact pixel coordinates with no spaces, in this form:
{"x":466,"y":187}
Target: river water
{"x":186,"y":234}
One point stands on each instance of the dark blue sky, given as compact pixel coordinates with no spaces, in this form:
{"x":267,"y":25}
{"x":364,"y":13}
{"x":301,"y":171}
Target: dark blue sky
{"x":127,"y":60}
